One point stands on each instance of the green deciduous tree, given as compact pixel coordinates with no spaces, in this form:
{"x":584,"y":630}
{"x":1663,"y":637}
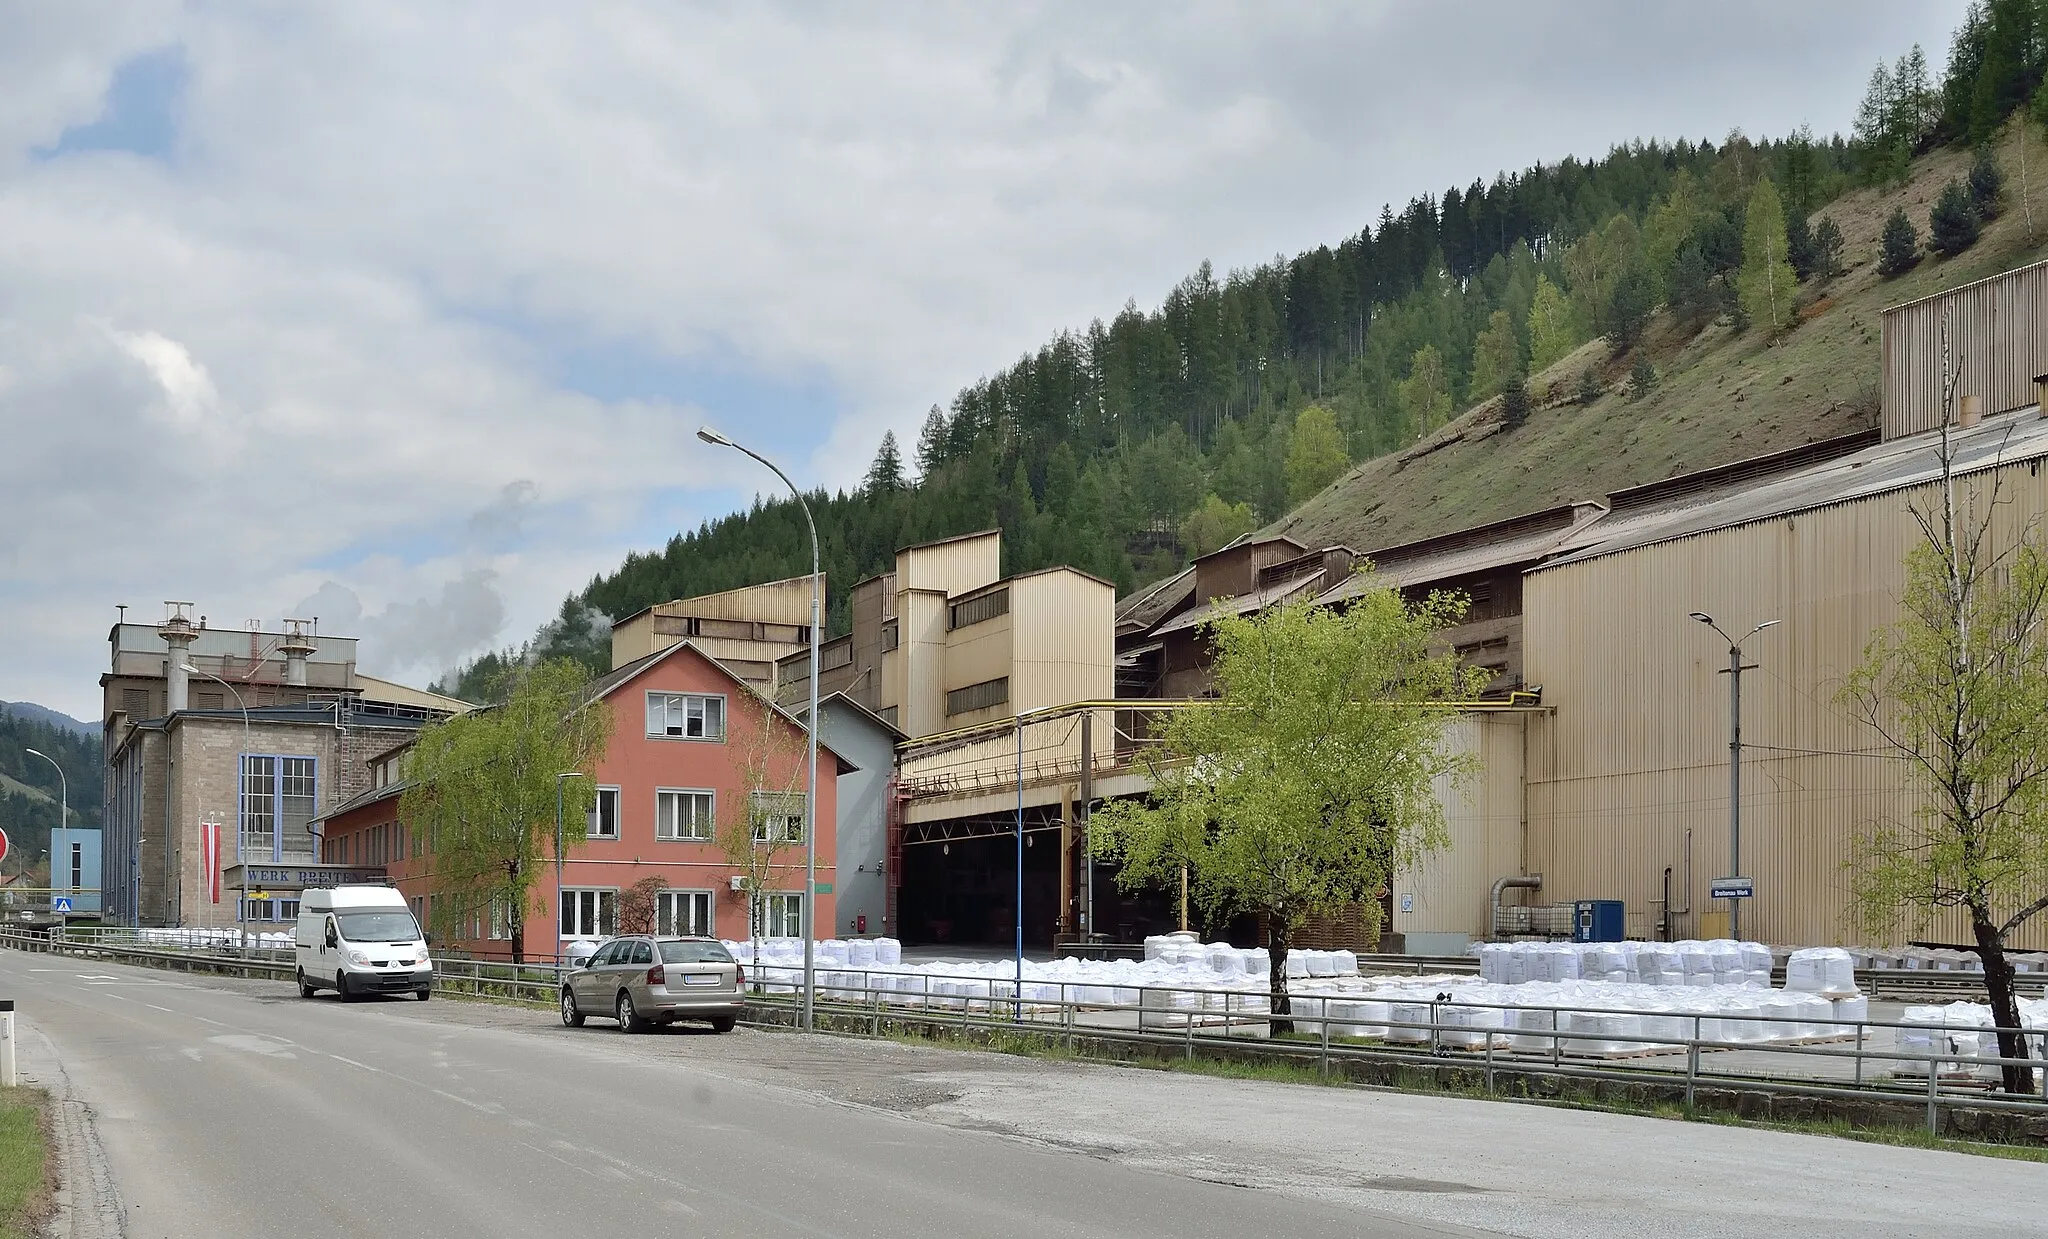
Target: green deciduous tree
{"x":1899,"y":247}
{"x":1766,"y":282}
{"x":483,"y":793}
{"x":1314,"y":778}
{"x":1553,"y":332}
{"x":1426,"y":393}
{"x":1496,"y":356}
{"x":1958,"y":688}
{"x":1215,"y":525}
{"x":1316,"y":455}
{"x":1952,"y":224}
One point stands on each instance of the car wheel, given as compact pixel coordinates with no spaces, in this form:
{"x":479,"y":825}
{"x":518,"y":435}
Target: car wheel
{"x":572,"y":1016}
{"x":425,"y":993}
{"x":723,"y":1024}
{"x":341,"y":987}
{"x":305,"y":986}
{"x":629,"y":1018}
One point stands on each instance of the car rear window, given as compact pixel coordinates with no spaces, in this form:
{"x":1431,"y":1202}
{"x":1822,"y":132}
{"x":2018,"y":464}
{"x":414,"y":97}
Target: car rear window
{"x":694,"y":953}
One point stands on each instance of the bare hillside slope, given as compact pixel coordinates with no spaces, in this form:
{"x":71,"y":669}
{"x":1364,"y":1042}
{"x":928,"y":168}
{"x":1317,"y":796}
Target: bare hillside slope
{"x":1720,"y":396}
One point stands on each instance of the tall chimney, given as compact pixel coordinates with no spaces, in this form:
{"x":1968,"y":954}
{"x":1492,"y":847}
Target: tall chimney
{"x":177,"y":632}
{"x":297,"y":647}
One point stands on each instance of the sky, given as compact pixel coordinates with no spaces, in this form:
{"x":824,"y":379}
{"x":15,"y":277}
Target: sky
{"x":404,"y":315}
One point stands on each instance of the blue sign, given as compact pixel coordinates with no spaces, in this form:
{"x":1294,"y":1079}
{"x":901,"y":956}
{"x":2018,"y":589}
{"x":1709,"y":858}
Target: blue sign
{"x":61,"y":903}
{"x":1732,"y":888}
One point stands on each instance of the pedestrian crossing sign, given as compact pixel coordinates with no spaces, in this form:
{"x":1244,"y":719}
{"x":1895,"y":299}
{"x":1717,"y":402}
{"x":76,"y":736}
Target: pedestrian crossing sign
{"x":61,"y":903}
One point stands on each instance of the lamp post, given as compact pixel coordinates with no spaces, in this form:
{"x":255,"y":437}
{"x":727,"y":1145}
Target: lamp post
{"x":559,"y":935}
{"x":805,"y":1020}
{"x":277,"y":840}
{"x":63,"y":805}
{"x":1734,"y":674}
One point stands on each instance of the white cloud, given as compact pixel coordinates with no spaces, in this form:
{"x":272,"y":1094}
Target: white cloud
{"x":320,"y":341}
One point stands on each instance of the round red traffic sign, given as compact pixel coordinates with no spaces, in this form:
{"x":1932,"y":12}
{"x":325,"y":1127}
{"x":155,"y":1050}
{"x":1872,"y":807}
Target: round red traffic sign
{"x":3,"y":845}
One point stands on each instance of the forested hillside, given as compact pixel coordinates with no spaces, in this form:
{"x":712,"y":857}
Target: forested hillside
{"x":29,"y":788}
{"x":1130,"y":445}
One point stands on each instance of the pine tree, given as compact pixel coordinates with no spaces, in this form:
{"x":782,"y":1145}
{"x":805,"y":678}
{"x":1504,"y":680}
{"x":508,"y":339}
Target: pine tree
{"x":1496,"y":356}
{"x":1589,"y":388}
{"x":885,"y":476}
{"x":1799,"y":245}
{"x":1628,"y":310}
{"x":1827,"y":248}
{"x":1692,"y":296}
{"x":1514,"y":402}
{"x":1986,"y":180}
{"x":1642,"y":378}
{"x":932,"y":443}
{"x":1315,"y":453}
{"x":1899,"y":249}
{"x":1552,"y":331}
{"x":1952,"y":225}
{"x":1766,"y":280}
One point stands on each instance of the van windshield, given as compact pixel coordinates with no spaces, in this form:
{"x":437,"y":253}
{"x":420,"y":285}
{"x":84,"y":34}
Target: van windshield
{"x":378,"y":926}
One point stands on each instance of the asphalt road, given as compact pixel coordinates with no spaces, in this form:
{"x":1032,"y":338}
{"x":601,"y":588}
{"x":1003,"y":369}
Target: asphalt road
{"x":229,"y":1107}
{"x":238,"y":1109}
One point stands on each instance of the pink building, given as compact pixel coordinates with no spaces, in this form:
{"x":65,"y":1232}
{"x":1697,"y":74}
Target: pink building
{"x":693,"y":749}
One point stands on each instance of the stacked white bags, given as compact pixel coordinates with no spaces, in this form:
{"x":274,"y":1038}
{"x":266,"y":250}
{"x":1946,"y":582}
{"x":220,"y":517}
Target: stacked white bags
{"x":1720,"y":962}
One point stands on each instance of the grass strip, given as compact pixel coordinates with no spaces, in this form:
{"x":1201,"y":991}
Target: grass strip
{"x":26,"y":1170}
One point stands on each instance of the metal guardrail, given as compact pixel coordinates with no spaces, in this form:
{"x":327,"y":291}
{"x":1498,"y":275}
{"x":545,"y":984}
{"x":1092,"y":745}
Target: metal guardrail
{"x":1939,"y":1079}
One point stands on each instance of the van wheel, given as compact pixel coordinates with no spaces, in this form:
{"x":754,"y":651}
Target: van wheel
{"x":572,"y":1015}
{"x":425,"y":994}
{"x":305,"y":986}
{"x":629,"y":1019}
{"x":341,"y":987}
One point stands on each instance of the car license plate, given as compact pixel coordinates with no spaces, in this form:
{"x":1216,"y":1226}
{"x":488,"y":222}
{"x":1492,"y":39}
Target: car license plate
{"x":700,"y":980}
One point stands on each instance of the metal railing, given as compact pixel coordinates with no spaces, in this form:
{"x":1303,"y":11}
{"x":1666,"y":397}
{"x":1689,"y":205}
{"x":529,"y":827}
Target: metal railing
{"x":1854,"y":1060}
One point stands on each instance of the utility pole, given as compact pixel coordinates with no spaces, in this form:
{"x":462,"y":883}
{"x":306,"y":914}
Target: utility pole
{"x":1734,"y":673}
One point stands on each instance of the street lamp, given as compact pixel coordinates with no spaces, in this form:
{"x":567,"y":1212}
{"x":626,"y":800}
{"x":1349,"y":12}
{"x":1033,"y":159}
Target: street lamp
{"x":1734,"y":757}
{"x":277,"y":840}
{"x":567,"y":774}
{"x":804,"y":1021}
{"x":63,"y":802}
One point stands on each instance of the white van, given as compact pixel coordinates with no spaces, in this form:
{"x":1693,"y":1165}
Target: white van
{"x":360,"y":940}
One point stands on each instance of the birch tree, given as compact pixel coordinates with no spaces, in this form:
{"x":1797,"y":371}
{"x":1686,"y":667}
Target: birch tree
{"x":1313,"y":780}
{"x":1958,"y":688}
{"x":768,"y":823}
{"x":483,"y":793}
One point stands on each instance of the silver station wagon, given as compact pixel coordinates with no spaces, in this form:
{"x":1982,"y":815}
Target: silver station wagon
{"x":642,"y":981}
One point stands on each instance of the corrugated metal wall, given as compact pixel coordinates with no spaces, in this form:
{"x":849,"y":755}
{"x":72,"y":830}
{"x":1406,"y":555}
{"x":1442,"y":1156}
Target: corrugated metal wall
{"x":1998,"y":342}
{"x":1447,"y":892}
{"x":1636,"y":752}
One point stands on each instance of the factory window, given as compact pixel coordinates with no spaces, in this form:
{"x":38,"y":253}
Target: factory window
{"x":978,"y":696}
{"x":985,"y":607}
{"x":686,"y":716}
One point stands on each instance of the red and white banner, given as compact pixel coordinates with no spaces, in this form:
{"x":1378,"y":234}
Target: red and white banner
{"x":209,"y":858}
